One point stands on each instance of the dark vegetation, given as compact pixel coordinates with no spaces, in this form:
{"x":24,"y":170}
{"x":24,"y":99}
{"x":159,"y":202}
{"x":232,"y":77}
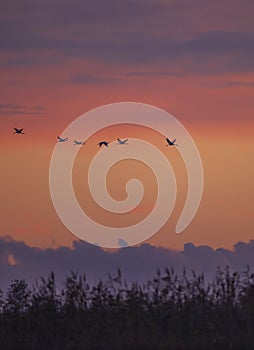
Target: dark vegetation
{"x":168,"y":312}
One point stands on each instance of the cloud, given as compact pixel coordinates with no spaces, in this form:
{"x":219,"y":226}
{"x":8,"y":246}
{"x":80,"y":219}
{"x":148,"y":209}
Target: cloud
{"x":231,"y":84}
{"x":92,"y":80}
{"x":129,"y":32}
{"x":17,"y":260}
{"x":14,"y":109}
{"x":122,"y":243}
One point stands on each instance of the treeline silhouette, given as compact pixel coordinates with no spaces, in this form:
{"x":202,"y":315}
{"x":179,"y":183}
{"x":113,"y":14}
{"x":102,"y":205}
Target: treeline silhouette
{"x":170,"y":311}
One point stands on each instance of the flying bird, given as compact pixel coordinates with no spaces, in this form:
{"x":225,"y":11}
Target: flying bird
{"x":18,"y":131}
{"x":122,"y":142}
{"x":171,"y":143}
{"x":79,"y":142}
{"x":103,"y":143}
{"x":60,"y":139}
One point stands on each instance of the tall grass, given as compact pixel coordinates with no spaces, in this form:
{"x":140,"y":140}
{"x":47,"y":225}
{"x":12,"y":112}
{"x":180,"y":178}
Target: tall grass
{"x":170,"y":311}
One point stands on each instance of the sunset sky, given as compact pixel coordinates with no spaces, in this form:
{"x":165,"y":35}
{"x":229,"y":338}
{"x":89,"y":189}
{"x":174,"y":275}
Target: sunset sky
{"x":192,"y":58}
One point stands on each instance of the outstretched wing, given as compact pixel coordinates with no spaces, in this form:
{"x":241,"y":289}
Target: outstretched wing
{"x":16,"y":129}
{"x":168,"y":140}
{"x":124,"y":141}
{"x":174,"y":140}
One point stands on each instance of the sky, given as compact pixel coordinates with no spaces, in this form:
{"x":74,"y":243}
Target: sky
{"x":194,"y":59}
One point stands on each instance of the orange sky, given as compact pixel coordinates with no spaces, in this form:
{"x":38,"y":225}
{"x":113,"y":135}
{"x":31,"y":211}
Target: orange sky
{"x":224,"y":217}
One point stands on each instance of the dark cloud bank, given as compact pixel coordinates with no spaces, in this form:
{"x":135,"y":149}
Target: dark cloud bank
{"x":17,"y":260}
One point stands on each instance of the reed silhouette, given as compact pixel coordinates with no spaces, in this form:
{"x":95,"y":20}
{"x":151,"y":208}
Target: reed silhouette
{"x":170,"y":311}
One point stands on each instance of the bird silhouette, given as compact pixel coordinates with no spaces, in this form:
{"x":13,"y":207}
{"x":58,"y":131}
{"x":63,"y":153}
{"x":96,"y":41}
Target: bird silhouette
{"x":171,"y":143}
{"x":103,"y":143}
{"x":122,"y":142}
{"x":60,"y":139}
{"x":79,"y":142}
{"x":18,"y":131}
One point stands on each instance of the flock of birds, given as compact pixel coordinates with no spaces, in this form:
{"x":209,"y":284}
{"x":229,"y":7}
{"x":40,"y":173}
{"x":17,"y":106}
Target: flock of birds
{"x":100,"y":144}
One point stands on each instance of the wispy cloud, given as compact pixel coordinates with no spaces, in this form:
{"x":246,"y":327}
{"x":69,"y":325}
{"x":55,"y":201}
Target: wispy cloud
{"x":131,"y":33}
{"x":93,"y":80}
{"x":231,"y":84}
{"x":14,"y":109}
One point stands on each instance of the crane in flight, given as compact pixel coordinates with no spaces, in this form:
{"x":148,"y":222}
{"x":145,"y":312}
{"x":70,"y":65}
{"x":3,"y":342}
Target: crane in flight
{"x":171,"y":143}
{"x":79,"y":142}
{"x":18,"y":131}
{"x":103,"y":143}
{"x":60,"y":139}
{"x":122,"y":142}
